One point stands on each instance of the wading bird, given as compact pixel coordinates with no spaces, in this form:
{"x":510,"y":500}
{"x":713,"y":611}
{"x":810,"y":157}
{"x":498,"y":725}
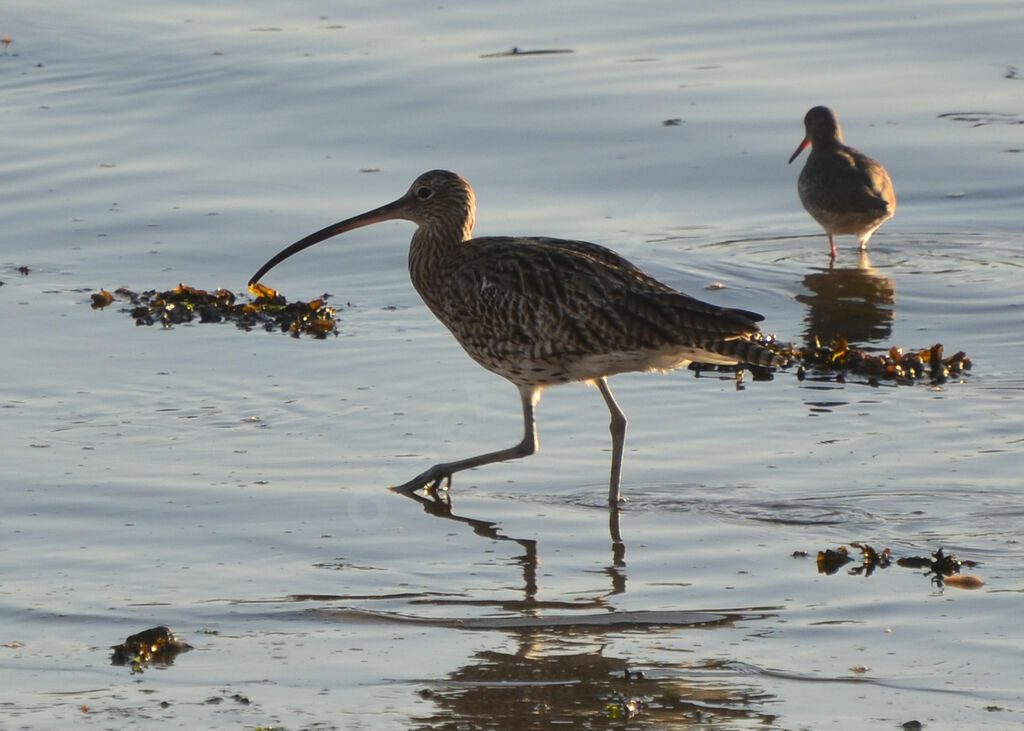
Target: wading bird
{"x":540,"y":311}
{"x":844,"y":190}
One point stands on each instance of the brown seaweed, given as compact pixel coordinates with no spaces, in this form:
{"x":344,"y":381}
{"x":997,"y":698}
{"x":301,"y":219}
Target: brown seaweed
{"x":843,"y":362}
{"x":893,"y":365}
{"x":154,"y":646}
{"x":942,"y":568}
{"x":267,"y":309}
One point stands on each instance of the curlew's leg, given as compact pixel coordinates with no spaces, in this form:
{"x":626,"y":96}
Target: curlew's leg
{"x":618,"y":429}
{"x":832,"y":245}
{"x":432,"y":478}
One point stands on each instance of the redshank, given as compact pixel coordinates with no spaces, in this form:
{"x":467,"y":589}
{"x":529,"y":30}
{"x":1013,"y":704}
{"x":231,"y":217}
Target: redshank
{"x":844,"y":190}
{"x":541,"y":311}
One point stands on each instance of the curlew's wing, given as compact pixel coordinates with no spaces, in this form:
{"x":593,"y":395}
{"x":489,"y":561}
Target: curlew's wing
{"x":559,"y":300}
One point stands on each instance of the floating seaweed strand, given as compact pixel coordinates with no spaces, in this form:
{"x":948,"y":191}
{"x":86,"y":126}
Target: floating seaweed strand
{"x":269,"y":310}
{"x":185,"y":304}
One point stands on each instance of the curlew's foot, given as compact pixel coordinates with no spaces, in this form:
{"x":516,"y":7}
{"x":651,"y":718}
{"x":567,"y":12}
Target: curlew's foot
{"x":429,"y":481}
{"x":434,"y":488}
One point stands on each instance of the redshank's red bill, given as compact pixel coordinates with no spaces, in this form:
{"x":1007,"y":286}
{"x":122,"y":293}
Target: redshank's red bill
{"x":541,"y":311}
{"x":843,"y":189}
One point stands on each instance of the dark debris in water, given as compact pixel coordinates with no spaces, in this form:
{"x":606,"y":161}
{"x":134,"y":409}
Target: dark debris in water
{"x":267,"y":309}
{"x":154,"y":646}
{"x":981,"y":119}
{"x":895,"y":366}
{"x":842,"y":362}
{"x":236,"y":697}
{"x":623,"y":708}
{"x":944,"y":569}
{"x":22,"y":270}
{"x":516,"y":51}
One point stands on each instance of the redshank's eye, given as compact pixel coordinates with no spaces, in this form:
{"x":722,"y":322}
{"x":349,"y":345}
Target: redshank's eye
{"x":424,"y":192}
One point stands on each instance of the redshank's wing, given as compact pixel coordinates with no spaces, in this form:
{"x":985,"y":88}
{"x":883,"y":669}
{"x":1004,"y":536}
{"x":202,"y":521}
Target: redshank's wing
{"x":849,"y":181}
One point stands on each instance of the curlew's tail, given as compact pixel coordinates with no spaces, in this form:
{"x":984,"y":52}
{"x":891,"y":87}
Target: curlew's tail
{"x":742,"y":351}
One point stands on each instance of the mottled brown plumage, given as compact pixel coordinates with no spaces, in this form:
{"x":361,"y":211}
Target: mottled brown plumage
{"x":542,"y":311}
{"x":843,"y":189}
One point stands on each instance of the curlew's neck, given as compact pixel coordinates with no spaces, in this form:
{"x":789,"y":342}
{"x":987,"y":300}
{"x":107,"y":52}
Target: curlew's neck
{"x":440,"y":234}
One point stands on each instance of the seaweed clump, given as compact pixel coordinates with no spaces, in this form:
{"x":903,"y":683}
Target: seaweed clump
{"x":157,"y":645}
{"x":942,"y":568}
{"x":268,"y":309}
{"x":894,"y":365}
{"x":842,"y":362}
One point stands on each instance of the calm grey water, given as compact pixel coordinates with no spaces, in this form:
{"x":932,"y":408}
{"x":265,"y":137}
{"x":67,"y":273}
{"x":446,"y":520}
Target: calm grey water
{"x":231,"y":485}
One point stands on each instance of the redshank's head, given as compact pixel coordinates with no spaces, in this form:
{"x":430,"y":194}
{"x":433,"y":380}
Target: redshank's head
{"x":438,"y":200}
{"x":821,"y":128}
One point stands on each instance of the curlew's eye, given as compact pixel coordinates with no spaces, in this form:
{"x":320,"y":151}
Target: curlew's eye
{"x":424,"y":192}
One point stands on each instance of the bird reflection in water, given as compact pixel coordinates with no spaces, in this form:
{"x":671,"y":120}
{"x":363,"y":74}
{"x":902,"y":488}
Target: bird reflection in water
{"x":577,"y":675}
{"x":565,"y":664}
{"x":440,"y":505}
{"x":855,"y":303}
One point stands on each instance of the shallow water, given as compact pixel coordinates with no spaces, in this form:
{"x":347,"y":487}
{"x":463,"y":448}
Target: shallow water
{"x":231,"y":485}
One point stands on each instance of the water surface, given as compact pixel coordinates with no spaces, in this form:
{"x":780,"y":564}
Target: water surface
{"x":231,"y":485}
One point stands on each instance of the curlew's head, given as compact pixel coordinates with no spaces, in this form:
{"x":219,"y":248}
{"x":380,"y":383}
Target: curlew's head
{"x":439,"y":201}
{"x":821,"y":129}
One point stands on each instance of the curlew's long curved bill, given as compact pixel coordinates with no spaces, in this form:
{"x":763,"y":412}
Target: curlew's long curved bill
{"x":386,"y":212}
{"x":800,"y":148}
